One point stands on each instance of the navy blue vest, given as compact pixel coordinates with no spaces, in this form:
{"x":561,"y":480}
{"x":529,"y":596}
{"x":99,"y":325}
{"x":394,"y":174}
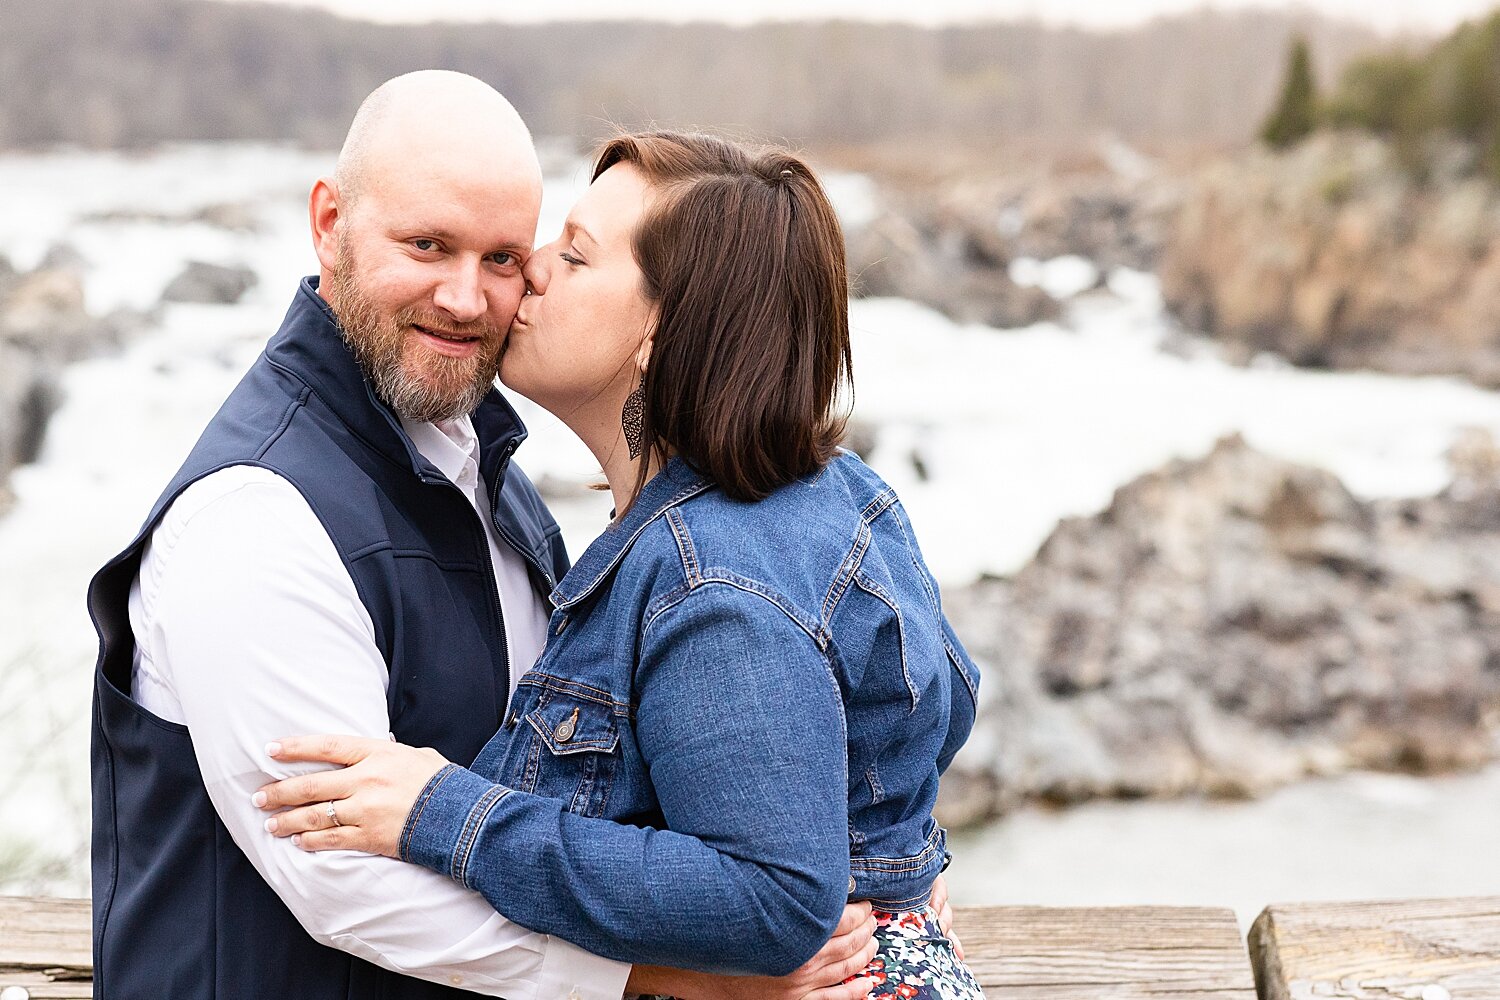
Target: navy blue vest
{"x":178,"y":910}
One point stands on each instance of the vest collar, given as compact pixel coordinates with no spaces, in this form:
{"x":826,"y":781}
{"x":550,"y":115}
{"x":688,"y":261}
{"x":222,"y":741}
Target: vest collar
{"x":668,"y":488}
{"x":311,"y":347}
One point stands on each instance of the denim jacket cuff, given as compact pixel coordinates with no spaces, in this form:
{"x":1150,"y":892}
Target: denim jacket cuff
{"x":445,"y":820}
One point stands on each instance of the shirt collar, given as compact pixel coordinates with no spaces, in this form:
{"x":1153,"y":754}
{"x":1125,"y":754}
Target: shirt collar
{"x":450,"y":445}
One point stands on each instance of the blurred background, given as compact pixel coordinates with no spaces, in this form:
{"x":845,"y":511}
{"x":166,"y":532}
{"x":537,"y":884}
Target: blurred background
{"x":1177,"y":328}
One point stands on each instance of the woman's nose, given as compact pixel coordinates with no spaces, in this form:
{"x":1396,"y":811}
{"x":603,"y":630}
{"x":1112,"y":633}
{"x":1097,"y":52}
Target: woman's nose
{"x":536,"y":274}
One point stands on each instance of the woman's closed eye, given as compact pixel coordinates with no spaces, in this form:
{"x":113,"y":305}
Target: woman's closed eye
{"x":572,"y":260}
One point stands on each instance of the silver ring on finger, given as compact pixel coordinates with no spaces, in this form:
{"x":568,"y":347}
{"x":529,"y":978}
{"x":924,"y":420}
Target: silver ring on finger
{"x":333,"y":815}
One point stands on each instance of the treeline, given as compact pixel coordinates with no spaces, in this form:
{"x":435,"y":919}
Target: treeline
{"x":1450,"y":90}
{"x":108,"y":73}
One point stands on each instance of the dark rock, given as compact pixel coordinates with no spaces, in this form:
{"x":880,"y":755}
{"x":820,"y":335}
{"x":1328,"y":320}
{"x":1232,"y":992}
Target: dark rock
{"x":44,"y":326}
{"x":7,"y":277}
{"x":63,"y":257}
{"x":956,"y":266}
{"x":234,"y":216}
{"x":211,"y":284}
{"x":950,"y":243}
{"x":1236,"y":622}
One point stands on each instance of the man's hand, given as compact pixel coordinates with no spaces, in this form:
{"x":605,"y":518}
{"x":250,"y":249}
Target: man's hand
{"x":944,"y":913}
{"x":846,"y":954}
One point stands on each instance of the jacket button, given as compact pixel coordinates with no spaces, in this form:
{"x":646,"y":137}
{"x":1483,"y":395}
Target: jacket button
{"x":851,"y":884}
{"x":565,"y":731}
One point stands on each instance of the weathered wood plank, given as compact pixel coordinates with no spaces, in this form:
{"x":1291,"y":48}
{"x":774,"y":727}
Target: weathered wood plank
{"x":1162,"y":953}
{"x":1106,"y":953}
{"x":45,"y":933}
{"x":45,"y":947}
{"x":39,"y":987}
{"x":1419,"y":949}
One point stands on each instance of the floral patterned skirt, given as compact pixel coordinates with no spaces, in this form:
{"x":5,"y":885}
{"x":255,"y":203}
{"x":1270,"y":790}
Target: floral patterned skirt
{"x":916,"y":962}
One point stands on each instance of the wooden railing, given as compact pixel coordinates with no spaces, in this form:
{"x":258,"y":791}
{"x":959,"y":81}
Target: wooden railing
{"x":1440,"y":949}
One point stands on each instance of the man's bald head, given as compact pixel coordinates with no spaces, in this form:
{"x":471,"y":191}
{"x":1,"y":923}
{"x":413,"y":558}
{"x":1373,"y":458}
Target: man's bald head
{"x":409,"y":120}
{"x":421,"y":235}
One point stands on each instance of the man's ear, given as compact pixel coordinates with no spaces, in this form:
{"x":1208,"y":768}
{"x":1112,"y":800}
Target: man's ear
{"x":324,"y":211}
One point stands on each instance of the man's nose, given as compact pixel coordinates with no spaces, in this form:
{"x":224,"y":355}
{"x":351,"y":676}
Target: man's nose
{"x":536,"y":274}
{"x":461,"y":294}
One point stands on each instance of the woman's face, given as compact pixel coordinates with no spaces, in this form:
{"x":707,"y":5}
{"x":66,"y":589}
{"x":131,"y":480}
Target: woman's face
{"x":578,"y":340}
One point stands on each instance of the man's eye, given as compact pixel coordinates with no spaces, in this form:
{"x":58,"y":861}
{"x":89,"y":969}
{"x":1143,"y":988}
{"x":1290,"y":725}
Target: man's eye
{"x":504,"y":258}
{"x":424,"y":245}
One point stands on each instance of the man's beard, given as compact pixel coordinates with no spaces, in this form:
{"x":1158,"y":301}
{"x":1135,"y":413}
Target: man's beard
{"x":419,"y":384}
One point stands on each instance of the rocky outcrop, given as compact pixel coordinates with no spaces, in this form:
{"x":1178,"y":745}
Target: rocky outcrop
{"x":210,"y":284}
{"x":1233,"y":623}
{"x":956,"y":265}
{"x":44,"y":326}
{"x":950,"y":243}
{"x":1336,"y":255}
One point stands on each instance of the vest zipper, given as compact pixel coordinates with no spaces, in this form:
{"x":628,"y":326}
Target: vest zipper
{"x":497,"y":612}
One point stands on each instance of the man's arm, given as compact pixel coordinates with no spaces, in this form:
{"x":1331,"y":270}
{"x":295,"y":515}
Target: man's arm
{"x":251,"y":621}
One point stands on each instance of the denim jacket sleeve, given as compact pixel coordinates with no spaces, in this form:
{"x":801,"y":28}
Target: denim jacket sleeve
{"x":741,"y":724}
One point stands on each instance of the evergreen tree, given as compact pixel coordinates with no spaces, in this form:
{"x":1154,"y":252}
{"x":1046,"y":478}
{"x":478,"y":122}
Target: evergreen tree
{"x":1296,"y":111}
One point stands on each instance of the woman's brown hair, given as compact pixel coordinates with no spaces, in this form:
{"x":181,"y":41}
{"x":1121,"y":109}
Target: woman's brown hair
{"x":743,"y":257}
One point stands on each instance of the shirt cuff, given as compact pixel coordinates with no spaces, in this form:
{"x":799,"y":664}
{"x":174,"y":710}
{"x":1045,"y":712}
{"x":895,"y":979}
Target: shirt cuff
{"x":570,"y":973}
{"x":439,"y":834}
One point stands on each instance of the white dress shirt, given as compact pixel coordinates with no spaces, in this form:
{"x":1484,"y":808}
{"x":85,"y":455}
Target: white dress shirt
{"x":248,"y":627}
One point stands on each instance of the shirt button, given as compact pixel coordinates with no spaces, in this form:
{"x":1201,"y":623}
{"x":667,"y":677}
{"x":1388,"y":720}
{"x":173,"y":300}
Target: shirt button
{"x":456,"y":980}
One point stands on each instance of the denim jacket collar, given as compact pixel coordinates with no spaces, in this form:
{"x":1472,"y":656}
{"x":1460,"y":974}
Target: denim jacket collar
{"x":668,"y":488}
{"x":311,"y":346}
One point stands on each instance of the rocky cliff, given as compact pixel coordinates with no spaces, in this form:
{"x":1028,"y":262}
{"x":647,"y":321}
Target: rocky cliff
{"x":1234,"y":623}
{"x":1336,"y":254}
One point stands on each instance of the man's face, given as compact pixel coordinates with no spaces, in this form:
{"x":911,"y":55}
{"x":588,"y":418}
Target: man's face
{"x":427,"y":280}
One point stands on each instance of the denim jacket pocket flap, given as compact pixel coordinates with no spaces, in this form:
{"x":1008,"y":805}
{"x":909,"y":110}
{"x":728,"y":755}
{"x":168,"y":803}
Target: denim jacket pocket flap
{"x":569,"y":726}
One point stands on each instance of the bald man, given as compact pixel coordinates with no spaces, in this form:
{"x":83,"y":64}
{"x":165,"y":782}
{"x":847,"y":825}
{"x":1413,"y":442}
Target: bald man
{"x":348,"y":548}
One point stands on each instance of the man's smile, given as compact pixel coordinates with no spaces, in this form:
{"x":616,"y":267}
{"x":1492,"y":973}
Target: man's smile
{"x":457,"y":345}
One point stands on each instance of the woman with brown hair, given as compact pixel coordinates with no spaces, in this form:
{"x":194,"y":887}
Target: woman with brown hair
{"x":749,"y":689}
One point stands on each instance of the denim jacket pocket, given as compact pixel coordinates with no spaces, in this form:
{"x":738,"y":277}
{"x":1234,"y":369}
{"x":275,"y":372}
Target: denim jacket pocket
{"x":573,"y":753}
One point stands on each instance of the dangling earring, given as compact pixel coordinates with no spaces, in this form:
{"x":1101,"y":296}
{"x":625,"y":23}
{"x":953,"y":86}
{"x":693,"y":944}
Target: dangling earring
{"x":633,"y":417}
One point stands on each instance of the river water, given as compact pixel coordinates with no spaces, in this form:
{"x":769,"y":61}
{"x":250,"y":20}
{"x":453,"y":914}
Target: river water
{"x":990,"y":436}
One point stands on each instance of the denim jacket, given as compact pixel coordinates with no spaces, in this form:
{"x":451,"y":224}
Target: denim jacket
{"x":737,"y":726}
